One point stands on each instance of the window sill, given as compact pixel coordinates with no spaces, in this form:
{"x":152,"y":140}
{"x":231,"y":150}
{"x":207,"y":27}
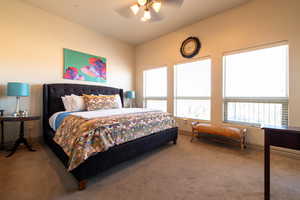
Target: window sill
{"x":192,"y":119}
{"x":243,"y":124}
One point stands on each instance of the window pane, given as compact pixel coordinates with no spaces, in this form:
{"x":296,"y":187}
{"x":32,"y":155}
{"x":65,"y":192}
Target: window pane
{"x":258,"y":113}
{"x":155,"y":82}
{"x":157,"y":104}
{"x":258,"y":73}
{"x":196,"y":109}
{"x":259,"y":77}
{"x":193,"y":79}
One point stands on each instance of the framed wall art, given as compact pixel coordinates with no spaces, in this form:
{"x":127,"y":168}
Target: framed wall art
{"x":84,"y":67}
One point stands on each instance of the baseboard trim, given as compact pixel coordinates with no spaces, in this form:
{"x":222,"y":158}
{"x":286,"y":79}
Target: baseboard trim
{"x":185,"y":133}
{"x":277,"y":150}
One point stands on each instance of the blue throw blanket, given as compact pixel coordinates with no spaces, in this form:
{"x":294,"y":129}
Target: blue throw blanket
{"x":59,"y":119}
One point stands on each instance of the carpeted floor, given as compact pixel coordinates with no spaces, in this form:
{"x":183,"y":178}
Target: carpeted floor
{"x":186,"y":171}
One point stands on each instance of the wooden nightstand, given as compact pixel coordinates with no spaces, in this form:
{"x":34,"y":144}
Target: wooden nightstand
{"x":21,"y":139}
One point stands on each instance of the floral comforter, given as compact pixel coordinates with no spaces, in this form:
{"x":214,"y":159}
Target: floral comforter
{"x":81,"y":138}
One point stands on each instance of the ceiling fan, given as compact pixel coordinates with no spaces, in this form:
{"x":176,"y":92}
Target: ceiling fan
{"x":147,"y":10}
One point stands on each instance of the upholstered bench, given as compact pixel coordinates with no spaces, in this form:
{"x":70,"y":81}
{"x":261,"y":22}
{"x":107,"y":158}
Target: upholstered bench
{"x":225,"y":131}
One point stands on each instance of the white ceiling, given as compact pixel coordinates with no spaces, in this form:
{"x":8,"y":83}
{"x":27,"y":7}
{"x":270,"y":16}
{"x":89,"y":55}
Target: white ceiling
{"x":100,"y":15}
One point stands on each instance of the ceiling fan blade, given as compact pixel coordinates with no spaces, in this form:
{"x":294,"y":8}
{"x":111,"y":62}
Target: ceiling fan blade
{"x":174,"y":3}
{"x":155,"y":17}
{"x":125,"y":11}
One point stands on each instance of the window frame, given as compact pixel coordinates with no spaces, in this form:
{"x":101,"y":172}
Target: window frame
{"x":154,"y":98}
{"x":175,"y":97}
{"x":284,"y":101}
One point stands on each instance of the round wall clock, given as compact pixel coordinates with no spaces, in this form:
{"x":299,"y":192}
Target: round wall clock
{"x":190,"y":47}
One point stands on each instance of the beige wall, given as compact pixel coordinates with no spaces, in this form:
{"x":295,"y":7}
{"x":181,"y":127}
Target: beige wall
{"x":32,"y":43}
{"x":256,"y":23}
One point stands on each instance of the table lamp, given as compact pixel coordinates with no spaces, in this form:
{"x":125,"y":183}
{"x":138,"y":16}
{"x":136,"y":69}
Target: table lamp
{"x":130,"y":95}
{"x":18,"y":90}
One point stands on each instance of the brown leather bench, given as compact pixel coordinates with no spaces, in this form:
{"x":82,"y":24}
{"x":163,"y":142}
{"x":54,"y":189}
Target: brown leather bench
{"x":225,"y":131}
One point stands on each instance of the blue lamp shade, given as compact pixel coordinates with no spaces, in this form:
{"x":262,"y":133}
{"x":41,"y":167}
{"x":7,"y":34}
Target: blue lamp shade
{"x":130,"y":94}
{"x":18,"y":89}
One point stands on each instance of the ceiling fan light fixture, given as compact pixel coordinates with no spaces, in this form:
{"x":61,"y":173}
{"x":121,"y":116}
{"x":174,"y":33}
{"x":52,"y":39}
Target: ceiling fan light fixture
{"x":142,"y":2}
{"x":147,"y":14}
{"x":143,"y":19}
{"x":156,"y":6}
{"x":135,"y":9}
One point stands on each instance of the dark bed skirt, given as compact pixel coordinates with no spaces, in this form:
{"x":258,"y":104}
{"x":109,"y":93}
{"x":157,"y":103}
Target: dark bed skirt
{"x":115,"y":155}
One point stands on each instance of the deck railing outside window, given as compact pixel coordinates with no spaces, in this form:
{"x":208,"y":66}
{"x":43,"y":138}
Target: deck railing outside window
{"x":257,"y":111}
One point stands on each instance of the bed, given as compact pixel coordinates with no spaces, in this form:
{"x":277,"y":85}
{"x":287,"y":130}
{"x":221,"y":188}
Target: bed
{"x":102,"y":161}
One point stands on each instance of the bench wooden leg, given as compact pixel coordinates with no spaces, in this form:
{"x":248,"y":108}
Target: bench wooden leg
{"x":243,"y":142}
{"x":82,"y":184}
{"x":193,"y":135}
{"x":243,"y":139}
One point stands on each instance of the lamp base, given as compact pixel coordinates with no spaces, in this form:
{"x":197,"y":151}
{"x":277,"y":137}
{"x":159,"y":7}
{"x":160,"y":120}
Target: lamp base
{"x":16,"y":114}
{"x":21,"y":113}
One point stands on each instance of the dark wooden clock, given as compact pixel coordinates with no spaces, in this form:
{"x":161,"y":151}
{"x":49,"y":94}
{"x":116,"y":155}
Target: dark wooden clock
{"x":190,"y":47}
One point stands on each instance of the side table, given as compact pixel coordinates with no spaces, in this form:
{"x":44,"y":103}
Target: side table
{"x":21,"y":139}
{"x":278,"y":136}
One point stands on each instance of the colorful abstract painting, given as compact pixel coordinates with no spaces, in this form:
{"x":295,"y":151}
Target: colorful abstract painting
{"x":84,"y":67}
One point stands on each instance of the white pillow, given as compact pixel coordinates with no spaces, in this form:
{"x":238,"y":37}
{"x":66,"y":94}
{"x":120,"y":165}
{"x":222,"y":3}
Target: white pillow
{"x":78,"y":103}
{"x":118,"y":101}
{"x":73,"y":103}
{"x":67,"y":101}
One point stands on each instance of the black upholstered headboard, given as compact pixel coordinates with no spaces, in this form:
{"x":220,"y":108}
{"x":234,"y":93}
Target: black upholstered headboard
{"x":52,"y":94}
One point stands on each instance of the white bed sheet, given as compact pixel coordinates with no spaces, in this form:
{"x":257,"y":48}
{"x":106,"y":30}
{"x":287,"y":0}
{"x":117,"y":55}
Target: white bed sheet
{"x":100,"y":113}
{"x":111,"y":112}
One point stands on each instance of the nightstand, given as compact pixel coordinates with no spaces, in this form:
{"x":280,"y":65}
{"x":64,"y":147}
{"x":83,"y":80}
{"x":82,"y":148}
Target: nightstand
{"x":21,"y":139}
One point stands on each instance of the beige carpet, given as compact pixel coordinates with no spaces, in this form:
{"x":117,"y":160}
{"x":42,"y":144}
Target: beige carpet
{"x":188,"y":171}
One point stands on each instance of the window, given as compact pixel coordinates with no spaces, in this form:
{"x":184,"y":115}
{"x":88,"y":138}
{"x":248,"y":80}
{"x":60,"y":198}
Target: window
{"x":155,"y":88}
{"x":192,"y":89}
{"x":255,"y":86}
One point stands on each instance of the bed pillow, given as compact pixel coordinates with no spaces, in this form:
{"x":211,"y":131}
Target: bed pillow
{"x":100,"y":102}
{"x":67,"y":101}
{"x":118,"y":99}
{"x":73,"y":103}
{"x":77,"y":103}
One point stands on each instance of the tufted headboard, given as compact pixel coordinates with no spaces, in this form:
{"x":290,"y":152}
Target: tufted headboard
{"x":52,"y":94}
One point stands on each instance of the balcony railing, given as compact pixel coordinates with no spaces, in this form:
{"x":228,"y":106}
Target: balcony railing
{"x":256,"y":111}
